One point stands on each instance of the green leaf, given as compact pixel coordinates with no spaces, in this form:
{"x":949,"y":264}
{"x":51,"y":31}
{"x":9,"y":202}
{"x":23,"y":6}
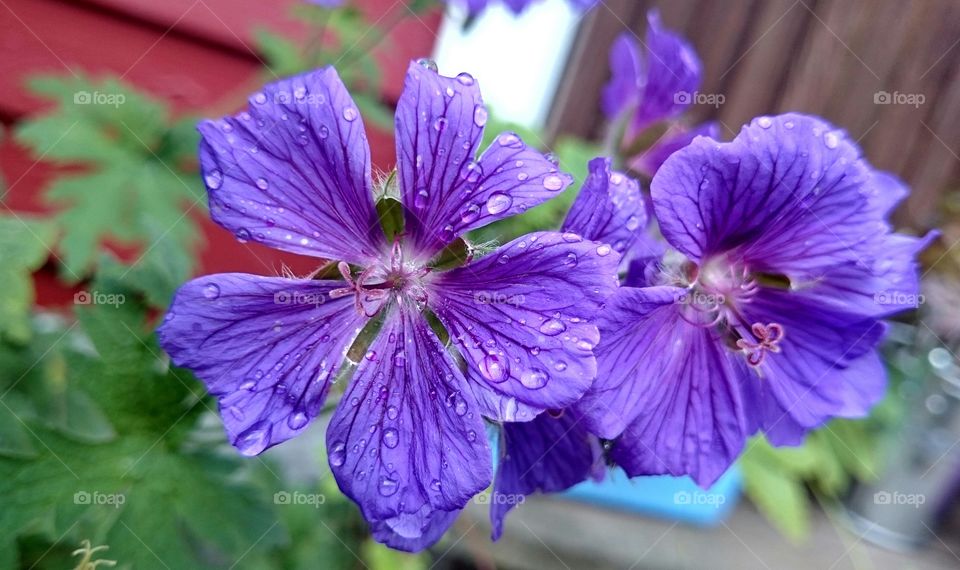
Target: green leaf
{"x":779,"y":493}
{"x":25,"y":244}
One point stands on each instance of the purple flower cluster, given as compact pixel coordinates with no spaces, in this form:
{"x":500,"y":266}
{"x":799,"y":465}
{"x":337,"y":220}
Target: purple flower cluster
{"x":759,"y":310}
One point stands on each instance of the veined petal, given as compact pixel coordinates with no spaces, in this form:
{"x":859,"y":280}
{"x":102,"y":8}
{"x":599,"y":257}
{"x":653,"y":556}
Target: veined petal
{"x":609,"y":208}
{"x":788,"y":195}
{"x":522,"y":318}
{"x":267,"y":348}
{"x":546,"y":455}
{"x":446,"y":190}
{"x":677,"y":137}
{"x":293,"y":173}
{"x":622,"y":92}
{"x":407,"y":437}
{"x":677,"y":384}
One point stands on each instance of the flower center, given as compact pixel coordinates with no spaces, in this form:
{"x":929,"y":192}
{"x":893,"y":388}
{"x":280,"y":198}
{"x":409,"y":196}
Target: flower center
{"x":375,"y":285}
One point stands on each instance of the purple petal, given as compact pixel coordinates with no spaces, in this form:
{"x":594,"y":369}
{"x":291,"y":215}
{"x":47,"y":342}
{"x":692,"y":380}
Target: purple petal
{"x":671,"y":384}
{"x":824,"y":367}
{"x":785,"y":196}
{"x":267,"y":348}
{"x":445,"y":189}
{"x":609,"y":208}
{"x":293,"y":173}
{"x":522,"y":318}
{"x":546,"y":455}
{"x":622,"y":92}
{"x":677,"y":137}
{"x":407,"y":438}
{"x":413,"y":532}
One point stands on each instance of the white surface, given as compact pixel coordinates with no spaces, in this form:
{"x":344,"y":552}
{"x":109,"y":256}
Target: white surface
{"x":518,"y":61}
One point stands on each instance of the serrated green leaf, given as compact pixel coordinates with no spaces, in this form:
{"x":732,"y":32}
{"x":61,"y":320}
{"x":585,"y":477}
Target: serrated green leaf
{"x":25,"y":244}
{"x":779,"y":494}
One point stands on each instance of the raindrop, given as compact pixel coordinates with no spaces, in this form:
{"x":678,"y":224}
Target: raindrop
{"x":633,"y":222}
{"x":297,"y":420}
{"x":571,"y":260}
{"x":470,"y":214}
{"x":571,"y":237}
{"x":494,"y":368}
{"x":435,"y":485}
{"x":498,"y":203}
{"x":552,"y":327}
{"x":510,"y":140}
{"x":553,"y":182}
{"x":243,"y":235}
{"x":472,"y":172}
{"x":211,"y":291}
{"x":214,"y":179}
{"x":420,"y":201}
{"x":391,"y":438}
{"x":560,"y":366}
{"x":349,"y":113}
{"x":465,"y":79}
{"x":338,"y":454}
{"x":428,"y":63}
{"x":765,"y":122}
{"x":260,"y":98}
{"x":262,"y":183}
{"x":603,"y":250}
{"x":480,"y":115}
{"x":393,"y":412}
{"x":440,"y":124}
{"x":460,"y":406}
{"x":831,"y":140}
{"x":388,"y":486}
{"x":471,"y":436}
{"x":324,"y":132}
{"x":254,"y":440}
{"x":534,"y":379}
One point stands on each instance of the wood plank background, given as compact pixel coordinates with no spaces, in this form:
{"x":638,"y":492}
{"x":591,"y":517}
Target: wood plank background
{"x":826,"y":57}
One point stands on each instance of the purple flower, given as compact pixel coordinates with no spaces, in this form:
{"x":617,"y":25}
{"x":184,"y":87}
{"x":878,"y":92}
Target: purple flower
{"x":406,"y":441}
{"x":475,"y":7}
{"x":766,"y":314}
{"x":327,"y":3}
{"x":653,"y":85}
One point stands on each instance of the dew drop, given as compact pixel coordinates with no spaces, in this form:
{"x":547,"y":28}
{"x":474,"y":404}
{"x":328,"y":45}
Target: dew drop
{"x":435,"y":485}
{"x":480,"y":115}
{"x":324,"y":132}
{"x":470,"y":214}
{"x":571,"y":260}
{"x":297,"y":420}
{"x":387,"y":486}
{"x":553,"y":182}
{"x":571,"y":237}
{"x":603,"y":250}
{"x":494,"y":368}
{"x":393,"y":412}
{"x":534,"y":379}
{"x":471,"y":436}
{"x":262,"y":183}
{"x":831,"y":140}
{"x":260,"y":98}
{"x":460,"y":406}
{"x":428,"y":63}
{"x":498,"y":203}
{"x":211,"y":291}
{"x":254,"y":440}
{"x":552,"y":327}
{"x":440,"y":124}
{"x":472,"y":172}
{"x":420,"y":201}
{"x":465,"y":79}
{"x":560,"y":366}
{"x":391,"y":438}
{"x":510,"y":140}
{"x":633,"y":222}
{"x":765,"y":122}
{"x":214,"y":179}
{"x":338,"y":454}
{"x":349,"y":113}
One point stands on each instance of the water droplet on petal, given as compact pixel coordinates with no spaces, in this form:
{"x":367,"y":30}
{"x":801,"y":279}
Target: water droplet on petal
{"x":388,"y":487}
{"x":494,"y":368}
{"x":391,"y":438}
{"x":260,"y":98}
{"x":297,"y":420}
{"x":421,"y":199}
{"x":633,"y":222}
{"x":764,"y":122}
{"x":349,"y":113}
{"x":465,"y":79}
{"x":262,"y":183}
{"x":324,"y":132}
{"x":440,"y":124}
{"x":435,"y":485}
{"x":571,"y":260}
{"x":510,"y":140}
{"x":560,"y":366}
{"x":428,"y":63}
{"x":552,"y":327}
{"x":393,"y":412}
{"x":571,"y":237}
{"x":254,"y":440}
{"x":831,"y":140}
{"x":214,"y":179}
{"x":211,"y":291}
{"x":460,"y":406}
{"x":338,"y":454}
{"x":471,"y":436}
{"x":498,"y":203}
{"x":470,"y":214}
{"x":480,"y":115}
{"x":472,"y":172}
{"x":553,"y":182}
{"x":603,"y":250}
{"x":534,"y":379}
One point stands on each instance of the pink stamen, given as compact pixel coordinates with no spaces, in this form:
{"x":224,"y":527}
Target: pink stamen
{"x":768,"y":340}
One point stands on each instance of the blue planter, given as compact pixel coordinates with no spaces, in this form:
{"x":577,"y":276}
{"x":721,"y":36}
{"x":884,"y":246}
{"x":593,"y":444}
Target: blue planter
{"x":675,"y":498}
